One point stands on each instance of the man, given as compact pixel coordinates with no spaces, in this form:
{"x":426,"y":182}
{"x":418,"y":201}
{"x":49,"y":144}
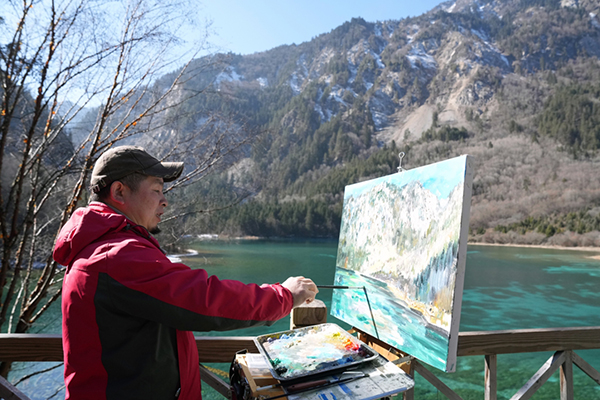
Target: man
{"x":128,"y":311}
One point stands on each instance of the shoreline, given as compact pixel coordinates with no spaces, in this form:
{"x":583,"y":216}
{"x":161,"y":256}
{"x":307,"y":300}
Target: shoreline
{"x":542,"y":246}
{"x":533,"y":246}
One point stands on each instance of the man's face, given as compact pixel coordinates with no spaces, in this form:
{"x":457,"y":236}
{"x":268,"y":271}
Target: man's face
{"x":146,"y":205}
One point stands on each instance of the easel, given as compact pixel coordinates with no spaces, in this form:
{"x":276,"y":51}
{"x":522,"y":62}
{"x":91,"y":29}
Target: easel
{"x":451,"y":181}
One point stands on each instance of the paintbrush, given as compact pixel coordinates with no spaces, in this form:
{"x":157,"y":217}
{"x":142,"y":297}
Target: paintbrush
{"x":300,"y":387}
{"x":308,"y":386}
{"x":339,"y":287}
{"x":305,"y":385}
{"x":364,"y":289}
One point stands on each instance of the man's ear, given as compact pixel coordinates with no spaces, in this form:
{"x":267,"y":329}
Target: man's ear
{"x":117,"y":192}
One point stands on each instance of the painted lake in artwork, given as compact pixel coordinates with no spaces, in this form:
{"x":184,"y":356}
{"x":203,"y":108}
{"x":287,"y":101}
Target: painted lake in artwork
{"x":505,"y":288}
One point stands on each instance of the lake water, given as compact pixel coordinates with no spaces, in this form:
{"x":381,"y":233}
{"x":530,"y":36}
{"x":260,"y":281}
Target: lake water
{"x":505,"y":288}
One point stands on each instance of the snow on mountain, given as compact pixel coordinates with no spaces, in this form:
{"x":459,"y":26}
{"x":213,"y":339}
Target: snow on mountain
{"x":228,"y":75}
{"x":263,"y":82}
{"x":595,"y":22}
{"x":419,"y":57}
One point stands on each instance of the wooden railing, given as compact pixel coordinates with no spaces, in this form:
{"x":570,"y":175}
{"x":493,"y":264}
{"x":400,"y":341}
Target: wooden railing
{"x":563,"y":341}
{"x":490,"y":344}
{"x":36,"y":347}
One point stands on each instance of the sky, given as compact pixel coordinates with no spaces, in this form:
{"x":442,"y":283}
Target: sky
{"x":440,"y":178}
{"x":246,"y":27}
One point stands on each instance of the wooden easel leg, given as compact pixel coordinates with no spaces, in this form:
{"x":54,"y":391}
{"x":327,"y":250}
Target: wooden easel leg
{"x":410,"y":394}
{"x":435,"y":381}
{"x":566,"y":377}
{"x":491,"y":362}
{"x":215,"y":382}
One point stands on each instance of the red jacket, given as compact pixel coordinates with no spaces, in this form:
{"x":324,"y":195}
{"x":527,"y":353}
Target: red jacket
{"x":128,"y":310}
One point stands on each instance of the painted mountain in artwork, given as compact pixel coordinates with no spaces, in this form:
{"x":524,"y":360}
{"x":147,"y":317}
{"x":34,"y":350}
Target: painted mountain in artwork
{"x":405,"y":236}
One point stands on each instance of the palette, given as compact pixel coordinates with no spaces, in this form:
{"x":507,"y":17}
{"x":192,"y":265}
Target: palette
{"x":312,"y":350}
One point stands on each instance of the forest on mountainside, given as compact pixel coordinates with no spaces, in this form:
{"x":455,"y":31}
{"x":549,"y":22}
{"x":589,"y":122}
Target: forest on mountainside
{"x":518,"y":92}
{"x":513,"y":83}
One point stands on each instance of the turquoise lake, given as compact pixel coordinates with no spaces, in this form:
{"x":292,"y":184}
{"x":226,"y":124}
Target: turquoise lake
{"x":505,"y":288}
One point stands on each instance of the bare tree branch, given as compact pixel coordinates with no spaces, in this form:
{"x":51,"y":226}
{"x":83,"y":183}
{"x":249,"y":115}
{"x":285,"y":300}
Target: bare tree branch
{"x":61,"y":58}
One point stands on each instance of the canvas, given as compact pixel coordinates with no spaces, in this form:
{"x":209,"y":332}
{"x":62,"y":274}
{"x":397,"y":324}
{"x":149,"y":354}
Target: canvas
{"x":403,"y":239}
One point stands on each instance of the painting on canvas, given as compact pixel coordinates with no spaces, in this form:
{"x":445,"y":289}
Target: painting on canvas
{"x":402,"y":246}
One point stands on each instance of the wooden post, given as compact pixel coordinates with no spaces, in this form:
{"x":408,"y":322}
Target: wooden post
{"x":491,"y":362}
{"x":410,"y":394}
{"x":313,"y":313}
{"x":540,"y":377}
{"x":9,"y":392}
{"x":585,"y":367}
{"x":566,"y":377}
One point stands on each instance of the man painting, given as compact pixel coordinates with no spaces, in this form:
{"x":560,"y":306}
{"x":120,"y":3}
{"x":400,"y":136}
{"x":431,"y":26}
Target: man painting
{"x":128,"y":311}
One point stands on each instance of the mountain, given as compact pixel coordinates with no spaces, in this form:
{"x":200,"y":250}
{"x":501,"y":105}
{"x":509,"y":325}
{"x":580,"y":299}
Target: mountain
{"x":513,"y":83}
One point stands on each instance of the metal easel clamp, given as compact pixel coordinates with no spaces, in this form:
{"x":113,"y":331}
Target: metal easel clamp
{"x":396,"y":352}
{"x":403,"y":360}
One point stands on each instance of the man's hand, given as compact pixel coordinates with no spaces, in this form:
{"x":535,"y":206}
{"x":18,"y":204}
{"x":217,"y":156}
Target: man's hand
{"x":303,"y":289}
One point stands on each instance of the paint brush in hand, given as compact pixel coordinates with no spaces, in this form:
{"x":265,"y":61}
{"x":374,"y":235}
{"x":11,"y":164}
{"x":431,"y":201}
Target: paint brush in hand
{"x":339,"y":287}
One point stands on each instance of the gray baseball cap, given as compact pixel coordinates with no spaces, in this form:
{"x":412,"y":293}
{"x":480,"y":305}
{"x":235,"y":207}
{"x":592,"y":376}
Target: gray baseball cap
{"x":121,"y":161}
